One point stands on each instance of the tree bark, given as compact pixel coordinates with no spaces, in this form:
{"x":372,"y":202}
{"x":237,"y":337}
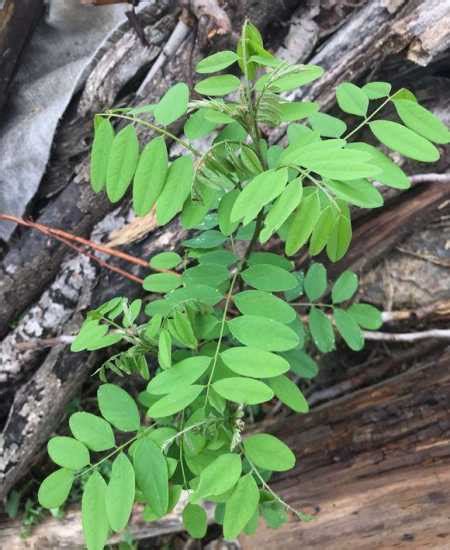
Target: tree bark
{"x":373,"y":467}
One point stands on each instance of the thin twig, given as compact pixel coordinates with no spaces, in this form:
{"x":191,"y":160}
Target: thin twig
{"x":101,"y":262}
{"x":443,"y":334}
{"x":53,"y":232}
{"x":425,"y":178}
{"x":42,"y":343}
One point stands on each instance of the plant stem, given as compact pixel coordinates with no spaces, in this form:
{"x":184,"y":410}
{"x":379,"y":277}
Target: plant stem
{"x":115,"y":451}
{"x":299,"y":515}
{"x":222,"y":330}
{"x":366,"y":120}
{"x":161,"y":131}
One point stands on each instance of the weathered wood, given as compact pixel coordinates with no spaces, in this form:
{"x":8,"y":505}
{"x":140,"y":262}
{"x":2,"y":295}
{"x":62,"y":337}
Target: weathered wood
{"x":17,"y":21}
{"x":373,"y":467}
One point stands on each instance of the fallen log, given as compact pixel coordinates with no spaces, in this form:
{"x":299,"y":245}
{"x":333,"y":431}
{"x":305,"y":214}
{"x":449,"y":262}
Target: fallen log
{"x":372,"y":467}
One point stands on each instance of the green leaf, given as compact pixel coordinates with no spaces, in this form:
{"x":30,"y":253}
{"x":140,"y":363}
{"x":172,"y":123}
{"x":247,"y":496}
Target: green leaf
{"x":178,"y":376}
{"x":120,"y":493}
{"x":340,"y":239}
{"x":257,"y":302}
{"x":181,"y":329}
{"x":269,"y":258}
{"x":261,"y":190}
{"x":206,"y":274}
{"x":404,"y":93}
{"x":175,"y":402}
{"x":165,"y":260}
{"x":282,"y":208}
{"x":221,"y":257}
{"x":297,"y":110}
{"x":245,"y":391}
{"x":206,"y":239}
{"x":118,"y":407}
{"x":327,"y":125}
{"x":165,"y":349}
{"x":92,"y":430}
{"x":358,"y":192}
{"x":55,"y":489}
{"x":323,"y":230}
{"x":263,"y":333}
{"x":321,"y":330}
{"x":377,"y":90}
{"x":351,"y":99}
{"x":342,"y":164}
{"x":422,"y":121}
{"x":254,"y":362}
{"x":391,"y":174}
{"x":176,"y":190}
{"x":366,"y":316}
{"x":315,"y":281}
{"x":345,"y":287}
{"x":162,"y":282}
{"x":173,"y":104}
{"x":310,"y":154}
{"x":301,"y":363}
{"x":303,"y":223}
{"x":220,"y":476}
{"x":93,"y":512}
{"x":269,"y":453}
{"x":198,"y":126}
{"x":101,"y":147}
{"x":240,"y":507}
{"x":217,"y":62}
{"x":288,"y":393}
{"x":150,"y":176}
{"x":269,"y":277}
{"x":68,"y":452}
{"x":349,"y":330}
{"x":303,"y":75}
{"x":195,"y":521}
{"x":224,"y":212}
{"x":218,"y":85}
{"x":274,"y":514}
{"x":122,"y":163}
{"x":404,"y":141}
{"x":152,"y":475}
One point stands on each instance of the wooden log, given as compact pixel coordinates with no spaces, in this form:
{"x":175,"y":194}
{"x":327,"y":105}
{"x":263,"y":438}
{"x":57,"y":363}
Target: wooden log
{"x":373,"y":467}
{"x":17,"y":21}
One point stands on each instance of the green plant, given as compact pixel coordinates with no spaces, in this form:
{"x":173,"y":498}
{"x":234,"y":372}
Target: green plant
{"x":224,"y":335}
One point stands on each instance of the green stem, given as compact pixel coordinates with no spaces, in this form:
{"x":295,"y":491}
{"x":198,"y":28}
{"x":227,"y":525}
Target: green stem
{"x":115,"y":451}
{"x":366,"y":120}
{"x":300,"y":515}
{"x":311,"y":304}
{"x":156,"y":129}
{"x":222,"y":330}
